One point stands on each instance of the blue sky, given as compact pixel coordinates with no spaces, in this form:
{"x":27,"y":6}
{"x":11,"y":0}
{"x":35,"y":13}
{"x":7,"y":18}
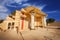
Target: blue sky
{"x":50,"y":7}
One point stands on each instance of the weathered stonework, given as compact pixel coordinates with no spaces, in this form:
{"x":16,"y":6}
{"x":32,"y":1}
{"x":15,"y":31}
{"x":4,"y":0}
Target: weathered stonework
{"x":24,"y":20}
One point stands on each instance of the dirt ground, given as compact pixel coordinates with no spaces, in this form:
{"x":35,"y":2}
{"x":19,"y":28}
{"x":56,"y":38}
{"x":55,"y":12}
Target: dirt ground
{"x":38,"y":34}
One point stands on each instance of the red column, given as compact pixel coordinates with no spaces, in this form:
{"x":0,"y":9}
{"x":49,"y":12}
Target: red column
{"x":22,"y":22}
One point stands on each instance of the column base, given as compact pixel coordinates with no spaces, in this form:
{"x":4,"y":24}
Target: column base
{"x":32,"y":28}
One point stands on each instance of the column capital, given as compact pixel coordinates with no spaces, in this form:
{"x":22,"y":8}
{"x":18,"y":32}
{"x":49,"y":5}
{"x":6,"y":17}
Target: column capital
{"x":32,"y":13}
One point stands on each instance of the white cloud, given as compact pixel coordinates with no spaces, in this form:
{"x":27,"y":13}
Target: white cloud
{"x":13,"y":1}
{"x":3,"y":9}
{"x":20,"y":1}
{"x":9,"y":2}
{"x":26,"y":4}
{"x":41,"y":7}
{"x":11,"y":6}
{"x":53,"y":11}
{"x":3,"y":15}
{"x":3,"y":12}
{"x":4,"y":2}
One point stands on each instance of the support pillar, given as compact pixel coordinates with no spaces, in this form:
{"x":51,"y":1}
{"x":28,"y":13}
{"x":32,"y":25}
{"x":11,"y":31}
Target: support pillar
{"x":17,"y":20}
{"x":32,"y":21}
{"x":44,"y":21}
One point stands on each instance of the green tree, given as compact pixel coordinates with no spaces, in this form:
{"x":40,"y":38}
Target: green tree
{"x":50,"y":20}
